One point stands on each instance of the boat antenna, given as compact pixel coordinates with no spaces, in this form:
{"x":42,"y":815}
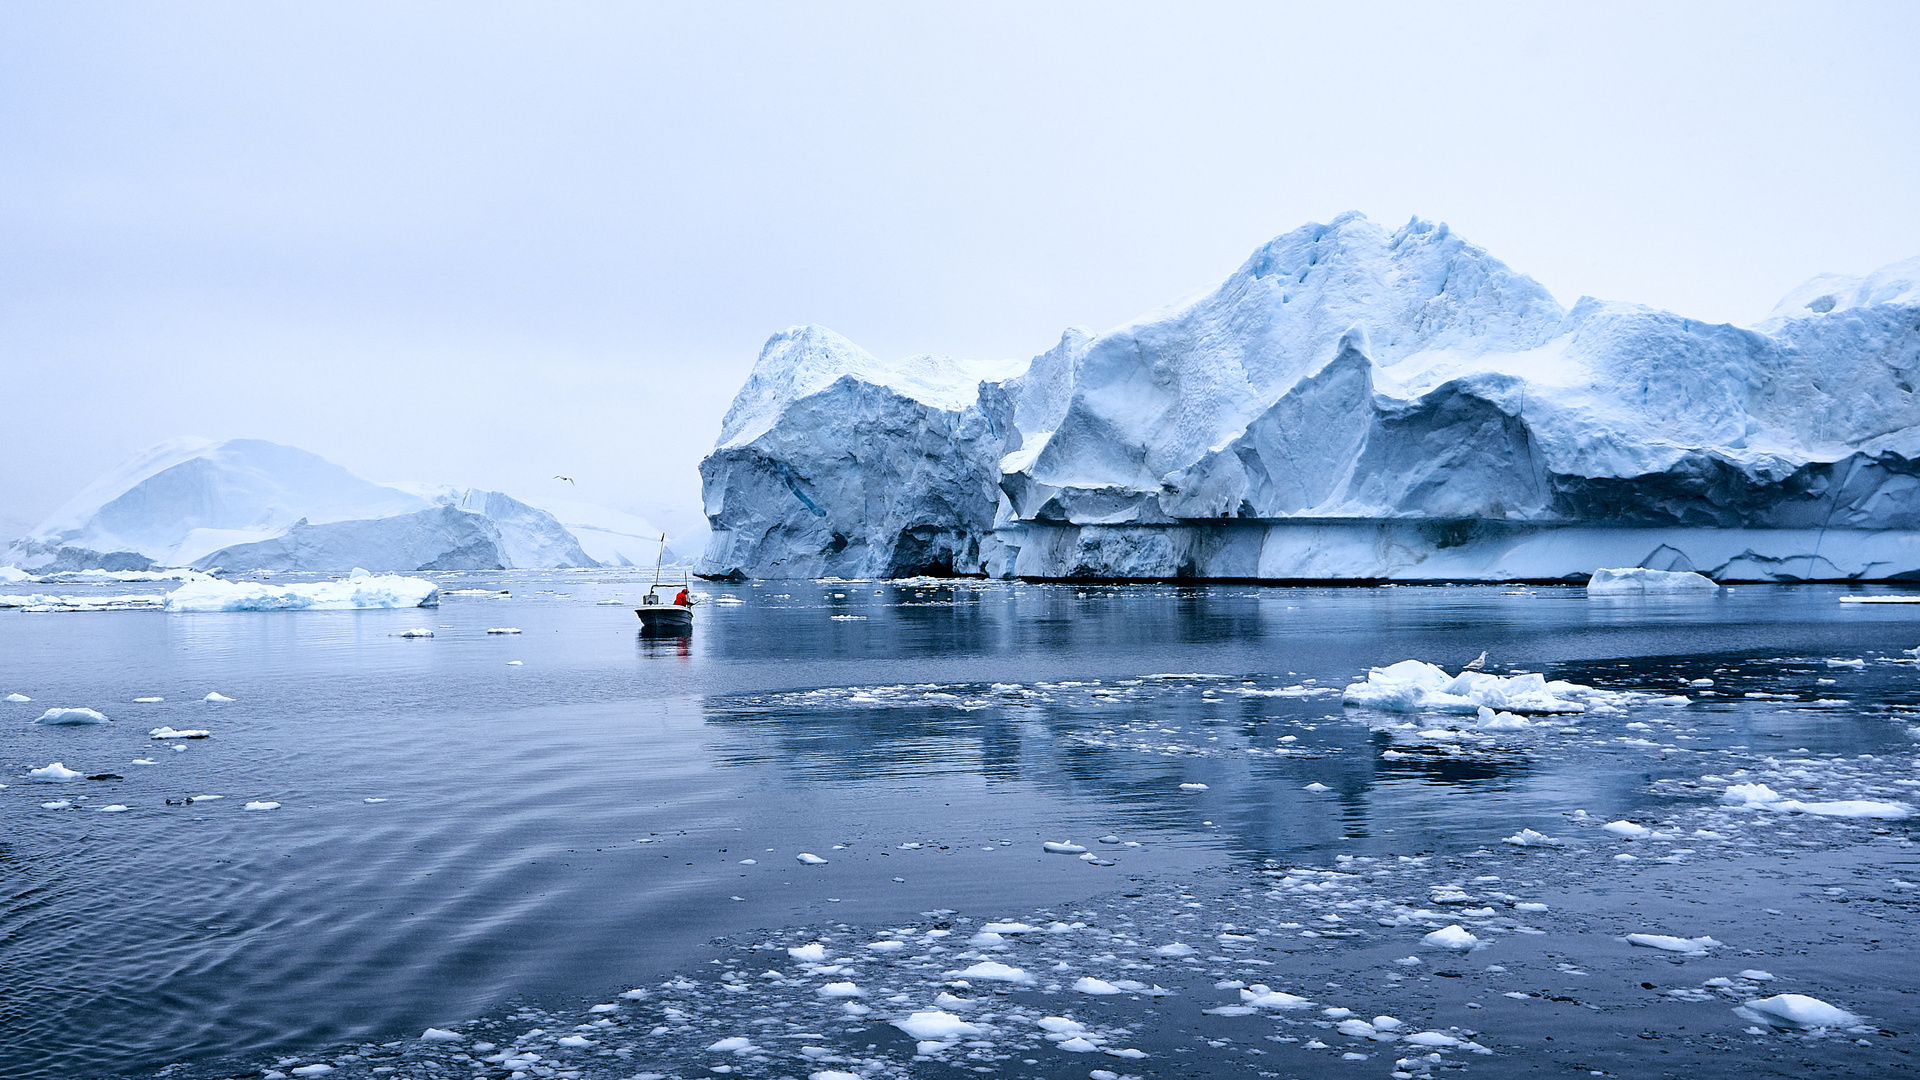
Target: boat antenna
{"x":658,"y":559}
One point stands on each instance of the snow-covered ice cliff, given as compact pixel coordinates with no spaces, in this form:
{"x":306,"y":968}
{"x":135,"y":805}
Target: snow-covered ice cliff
{"x":1351,"y":404}
{"x":247,"y":504}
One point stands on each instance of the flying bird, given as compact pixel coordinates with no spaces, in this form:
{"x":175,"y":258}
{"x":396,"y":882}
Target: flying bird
{"x":568,"y":479}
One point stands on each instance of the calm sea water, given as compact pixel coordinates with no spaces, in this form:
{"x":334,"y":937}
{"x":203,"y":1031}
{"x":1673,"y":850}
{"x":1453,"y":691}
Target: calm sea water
{"x":457,"y":835}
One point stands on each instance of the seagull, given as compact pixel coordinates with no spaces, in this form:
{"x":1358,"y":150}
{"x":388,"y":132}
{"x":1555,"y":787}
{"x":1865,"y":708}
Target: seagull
{"x":1477,"y":662}
{"x":568,"y":479}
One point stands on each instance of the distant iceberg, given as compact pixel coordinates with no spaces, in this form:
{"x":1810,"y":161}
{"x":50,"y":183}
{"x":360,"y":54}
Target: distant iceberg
{"x":247,"y":504}
{"x":368,"y":591}
{"x":1352,"y":404}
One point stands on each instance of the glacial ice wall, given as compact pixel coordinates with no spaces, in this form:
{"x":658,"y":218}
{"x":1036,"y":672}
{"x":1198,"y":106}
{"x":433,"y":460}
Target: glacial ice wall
{"x":1358,"y":404}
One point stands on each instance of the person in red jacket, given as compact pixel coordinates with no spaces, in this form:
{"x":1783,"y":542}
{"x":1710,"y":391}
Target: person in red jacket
{"x":683,"y":599}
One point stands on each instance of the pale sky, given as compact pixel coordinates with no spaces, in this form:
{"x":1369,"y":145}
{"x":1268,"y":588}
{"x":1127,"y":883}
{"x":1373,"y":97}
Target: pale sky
{"x":486,"y":243}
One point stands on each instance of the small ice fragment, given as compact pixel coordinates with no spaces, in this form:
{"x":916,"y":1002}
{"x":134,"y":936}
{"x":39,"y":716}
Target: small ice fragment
{"x":886,"y":946}
{"x":1431,"y":1038}
{"x":1530,"y":908}
{"x":815,"y":953}
{"x":1077,"y":1045}
{"x":311,"y":1070}
{"x":994,"y":971}
{"x":1129,"y":1052}
{"x":203,"y":798}
{"x":1062,"y":847}
{"x":171,"y":733}
{"x":1260,"y":997}
{"x":1357,"y":1028}
{"x":372,"y":800}
{"x":833,"y":1074}
{"x":503,"y":629}
{"x":514,"y":663}
{"x":1451,"y":937}
{"x":416,"y":632}
{"x":59,"y":804}
{"x":1175,"y":949}
{"x":18,"y":698}
{"x":1757,"y":975}
{"x":573,"y":1040}
{"x":148,"y":700}
{"x":215,"y":695}
{"x":1193,"y":787}
{"x":1091,"y":985}
{"x":70,"y":717}
{"x":1530,"y":838}
{"x":606,"y":1008}
{"x":1627,"y":829}
{"x":434,"y":1034}
{"x":935,"y":1025}
{"x":144,"y":761}
{"x":1796,"y":1011}
{"x":1667,"y":943}
{"x":55,"y":772}
{"x":810,"y":859}
{"x":736,"y":1044}
{"x":839,"y":990}
{"x":1316,"y":787}
{"x":115,"y":808}
{"x":261,"y":804}
{"x":1388,"y":1023}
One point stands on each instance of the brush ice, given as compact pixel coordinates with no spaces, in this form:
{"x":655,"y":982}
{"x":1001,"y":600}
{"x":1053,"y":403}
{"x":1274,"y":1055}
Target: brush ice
{"x":176,"y":733}
{"x":936,"y":1025}
{"x":70,"y":717}
{"x":1090,"y":985}
{"x":1416,"y":686}
{"x":814,"y":953}
{"x":1627,"y":829}
{"x":382,"y":591}
{"x":55,"y":772}
{"x":1638,"y":580}
{"x":1453,"y":937}
{"x":1260,"y":997}
{"x":1667,"y":943}
{"x":1762,"y":797}
{"x":434,"y":1034}
{"x":1797,"y":1011}
{"x":994,"y":971}
{"x":1529,"y":838}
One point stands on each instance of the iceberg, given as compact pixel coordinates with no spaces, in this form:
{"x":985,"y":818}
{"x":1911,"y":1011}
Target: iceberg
{"x":248,"y":504}
{"x":368,"y":591}
{"x":1635,"y":580}
{"x":1351,"y":404}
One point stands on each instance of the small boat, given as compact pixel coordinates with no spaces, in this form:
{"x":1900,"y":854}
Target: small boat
{"x":664,"y":620}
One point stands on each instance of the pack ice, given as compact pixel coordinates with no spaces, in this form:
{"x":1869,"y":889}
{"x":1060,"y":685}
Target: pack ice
{"x":1350,"y":404}
{"x":247,"y":504}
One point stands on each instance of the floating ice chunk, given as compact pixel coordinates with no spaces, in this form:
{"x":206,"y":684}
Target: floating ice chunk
{"x":606,"y":1008}
{"x":175,"y":733}
{"x":503,"y":629}
{"x":215,"y":695}
{"x":736,"y":1044}
{"x":1414,"y":686}
{"x":70,"y":717}
{"x":1174,"y":949}
{"x":994,"y":971}
{"x":1077,"y":1045}
{"x":58,"y":804}
{"x":575,"y":1041}
{"x":935,"y":1025}
{"x":18,"y":698}
{"x":416,"y":632}
{"x":1062,"y":847}
{"x":515,"y":663}
{"x":1627,"y":829}
{"x":1007,"y":928}
{"x":1193,"y":787}
{"x":839,"y":990}
{"x":833,"y":1074}
{"x":434,"y":1034}
{"x":1316,"y":787}
{"x":1356,"y":1027}
{"x":1796,"y":1011}
{"x":311,"y":1070}
{"x":1693,"y":946}
{"x":1531,"y":909}
{"x":1760,"y":796}
{"x":148,"y":700}
{"x":1451,"y":937}
{"x":1430,"y":1038}
{"x":1639,"y":580}
{"x":55,"y":772}
{"x":814,"y":953}
{"x":810,"y":859}
{"x":115,"y":808}
{"x":382,"y":591}
{"x":1529,"y":838}
{"x":1260,"y":997}
{"x":1090,"y":985}
{"x":1757,"y":975}
{"x":204,"y":798}
{"x":1388,"y":1023}
{"x":261,"y":804}
{"x":886,"y":946}
{"x":1856,"y":662}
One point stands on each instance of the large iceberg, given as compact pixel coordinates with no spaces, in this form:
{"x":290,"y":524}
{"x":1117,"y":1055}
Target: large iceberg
{"x":247,"y":504}
{"x":1351,"y":404}
{"x":359,"y":591}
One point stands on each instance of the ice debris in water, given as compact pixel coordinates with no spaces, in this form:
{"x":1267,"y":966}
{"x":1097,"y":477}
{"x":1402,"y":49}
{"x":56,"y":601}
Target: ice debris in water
{"x":1762,"y":797}
{"x":935,"y":1025}
{"x":1316,"y":787}
{"x":810,"y":859}
{"x":261,"y":805}
{"x":503,"y":629}
{"x":1627,"y":829}
{"x":1260,"y":997}
{"x":18,"y":698}
{"x":1666,"y":943}
{"x":55,"y":771}
{"x":176,"y":733}
{"x":1639,"y":580}
{"x":383,"y":591}
{"x":1452,"y":937}
{"x":1529,"y":838}
{"x":994,"y":971}
{"x":433,"y":1034}
{"x":416,"y":632}
{"x":71,"y":717}
{"x":1062,"y":847}
{"x":814,"y":953}
{"x":1797,"y":1011}
{"x":1416,"y":686}
{"x":215,"y":695}
{"x":1193,"y":787}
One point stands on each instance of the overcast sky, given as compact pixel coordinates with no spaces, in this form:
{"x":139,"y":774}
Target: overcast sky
{"x":484,"y":244}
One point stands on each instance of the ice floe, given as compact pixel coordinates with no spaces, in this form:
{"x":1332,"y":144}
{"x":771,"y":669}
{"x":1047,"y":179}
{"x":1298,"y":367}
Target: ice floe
{"x":175,"y":733}
{"x":215,"y":695}
{"x":1797,"y":1011}
{"x":1416,"y":686}
{"x":1666,"y":943}
{"x":1762,"y":797}
{"x":1639,"y":580}
{"x":1454,"y":937}
{"x":373,"y":591}
{"x":56,"y":772}
{"x":70,"y":717}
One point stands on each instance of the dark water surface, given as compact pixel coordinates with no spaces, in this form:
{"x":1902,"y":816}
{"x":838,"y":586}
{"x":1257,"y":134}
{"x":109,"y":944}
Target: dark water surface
{"x":568,"y":827}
